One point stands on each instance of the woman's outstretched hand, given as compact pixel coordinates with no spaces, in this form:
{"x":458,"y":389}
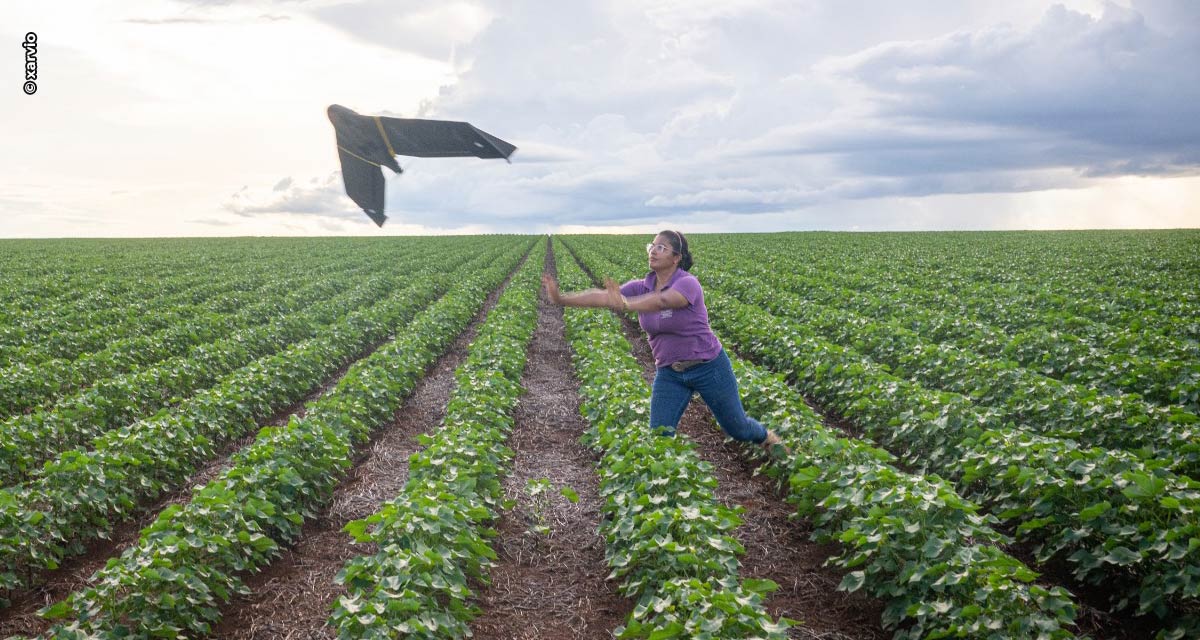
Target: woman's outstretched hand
{"x":609,"y":297}
{"x":551,"y":288}
{"x":615,"y":301}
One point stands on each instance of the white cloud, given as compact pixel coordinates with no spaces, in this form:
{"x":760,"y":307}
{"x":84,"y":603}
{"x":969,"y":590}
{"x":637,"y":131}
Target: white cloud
{"x":431,"y":30}
{"x":319,"y":197}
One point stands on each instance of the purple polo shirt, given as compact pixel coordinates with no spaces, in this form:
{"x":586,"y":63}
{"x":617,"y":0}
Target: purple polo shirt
{"x":676,"y":334}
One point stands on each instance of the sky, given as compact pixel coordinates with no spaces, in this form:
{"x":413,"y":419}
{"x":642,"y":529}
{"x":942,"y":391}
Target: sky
{"x":157,"y":118}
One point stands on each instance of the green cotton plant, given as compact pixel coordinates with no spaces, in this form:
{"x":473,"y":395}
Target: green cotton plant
{"x":154,"y":325}
{"x":80,"y":493}
{"x":538,"y":489}
{"x":699,"y":609}
{"x":1161,"y":370}
{"x":416,"y":585}
{"x":182,"y":329}
{"x":663,"y":521}
{"x":539,"y":492}
{"x":162,"y":318}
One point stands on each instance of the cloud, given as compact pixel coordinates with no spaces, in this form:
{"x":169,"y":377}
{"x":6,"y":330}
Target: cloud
{"x":1108,"y":96}
{"x":212,"y":222}
{"x":175,"y":20}
{"x":431,"y":30}
{"x":198,"y":20}
{"x":319,"y":197}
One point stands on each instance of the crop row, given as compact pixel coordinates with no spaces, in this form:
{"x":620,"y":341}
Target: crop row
{"x":1017,"y":394}
{"x":1163,"y":371}
{"x":33,"y":382}
{"x":28,"y":440}
{"x":190,"y":559}
{"x":432,"y":538}
{"x":119,"y":286}
{"x":1115,"y":519}
{"x":73,"y":499}
{"x":1138,"y":280}
{"x":908,"y":539}
{"x":1076,"y":293}
{"x":668,"y":539}
{"x":46,"y":275}
{"x":48,"y":332}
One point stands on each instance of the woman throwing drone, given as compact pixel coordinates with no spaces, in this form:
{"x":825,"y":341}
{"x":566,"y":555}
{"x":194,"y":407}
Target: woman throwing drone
{"x":688,"y":356}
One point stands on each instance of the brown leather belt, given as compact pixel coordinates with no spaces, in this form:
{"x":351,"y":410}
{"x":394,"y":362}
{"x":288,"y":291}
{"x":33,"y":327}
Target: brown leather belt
{"x":684,"y":365}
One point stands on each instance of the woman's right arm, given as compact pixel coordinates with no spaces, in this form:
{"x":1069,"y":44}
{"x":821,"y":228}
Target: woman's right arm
{"x":603,"y":298}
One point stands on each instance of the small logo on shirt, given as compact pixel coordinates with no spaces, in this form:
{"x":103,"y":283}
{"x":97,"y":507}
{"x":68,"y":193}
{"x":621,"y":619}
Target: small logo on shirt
{"x":666,"y":313}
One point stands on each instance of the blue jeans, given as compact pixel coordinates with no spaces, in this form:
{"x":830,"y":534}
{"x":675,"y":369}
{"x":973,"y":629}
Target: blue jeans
{"x":714,"y":381}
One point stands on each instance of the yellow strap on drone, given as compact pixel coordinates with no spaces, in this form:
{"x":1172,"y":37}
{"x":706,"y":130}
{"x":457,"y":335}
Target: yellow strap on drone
{"x":383,"y":133}
{"x":357,"y":156}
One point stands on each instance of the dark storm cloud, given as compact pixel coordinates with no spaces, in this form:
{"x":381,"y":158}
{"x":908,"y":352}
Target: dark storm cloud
{"x":1106,"y":96}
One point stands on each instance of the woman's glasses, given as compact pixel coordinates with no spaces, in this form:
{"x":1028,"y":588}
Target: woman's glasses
{"x":658,"y":248}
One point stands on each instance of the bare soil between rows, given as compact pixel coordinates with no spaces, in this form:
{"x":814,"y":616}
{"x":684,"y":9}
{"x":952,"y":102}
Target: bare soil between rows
{"x":293,"y":597}
{"x":550,"y":583}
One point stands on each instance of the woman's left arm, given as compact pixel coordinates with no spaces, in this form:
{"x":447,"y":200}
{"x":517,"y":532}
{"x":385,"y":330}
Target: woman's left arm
{"x":656,"y":301}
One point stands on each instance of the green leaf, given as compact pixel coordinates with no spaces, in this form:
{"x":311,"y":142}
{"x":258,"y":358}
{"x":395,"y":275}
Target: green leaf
{"x":1143,"y":485}
{"x":357,"y":529}
{"x":760,"y":586}
{"x":1122,"y":556}
{"x":805,"y":476}
{"x":673,"y":630}
{"x":853,"y":581}
{"x":569,"y":494}
{"x":55,"y":611}
{"x":1095,"y":510}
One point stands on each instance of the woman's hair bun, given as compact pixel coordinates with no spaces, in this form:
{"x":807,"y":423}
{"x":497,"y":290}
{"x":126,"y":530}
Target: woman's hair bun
{"x":680,"y":244}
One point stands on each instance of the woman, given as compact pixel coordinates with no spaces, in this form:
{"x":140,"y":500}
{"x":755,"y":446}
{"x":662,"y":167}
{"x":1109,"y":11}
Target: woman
{"x":688,"y":356}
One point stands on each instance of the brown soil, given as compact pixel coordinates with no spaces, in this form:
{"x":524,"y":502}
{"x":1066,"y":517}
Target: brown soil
{"x":550,"y":585}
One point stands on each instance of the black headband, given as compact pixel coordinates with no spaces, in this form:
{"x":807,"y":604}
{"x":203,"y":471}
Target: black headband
{"x":679,"y":239}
